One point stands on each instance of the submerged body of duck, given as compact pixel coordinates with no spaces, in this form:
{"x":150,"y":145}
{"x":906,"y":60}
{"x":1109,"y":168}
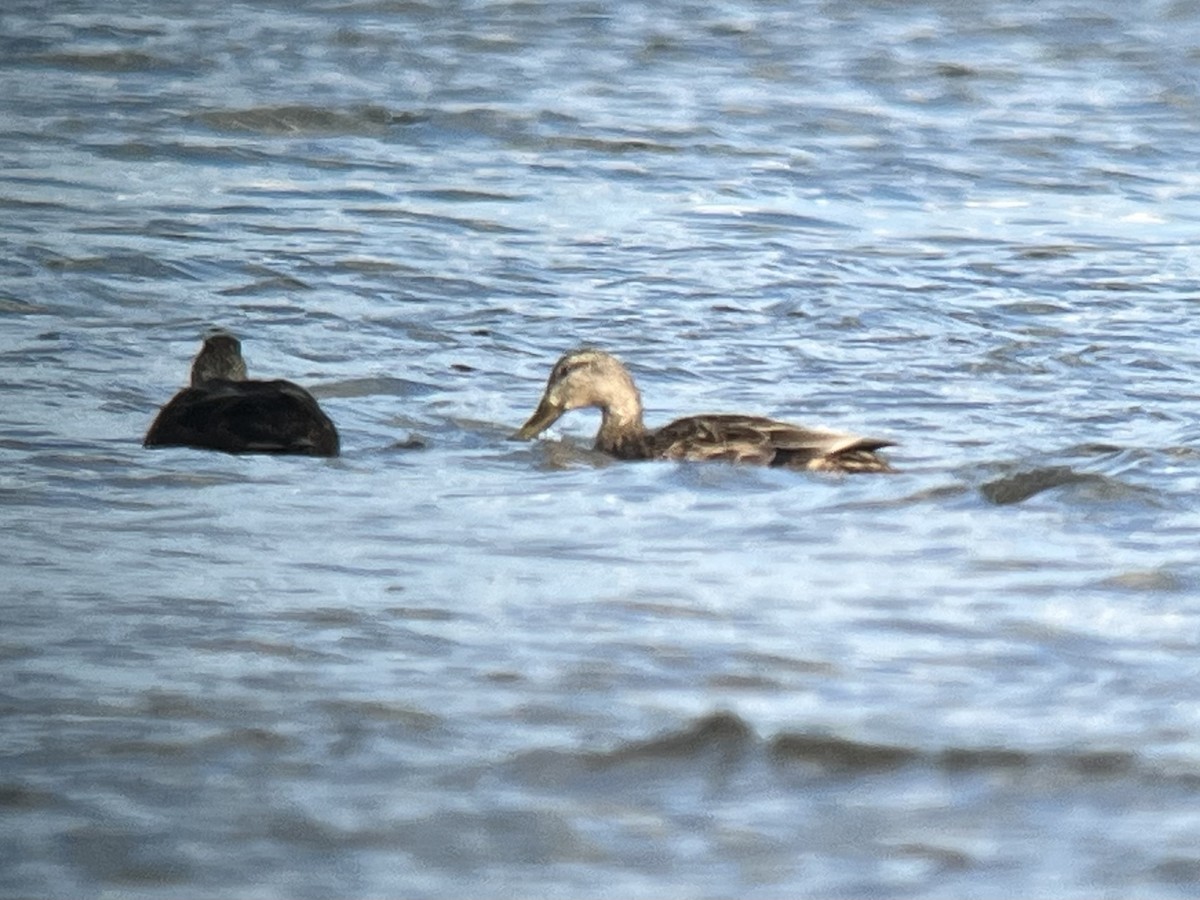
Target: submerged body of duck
{"x":223,"y":410}
{"x":593,"y":378}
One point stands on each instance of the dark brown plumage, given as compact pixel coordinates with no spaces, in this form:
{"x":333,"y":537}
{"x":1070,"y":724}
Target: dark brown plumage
{"x":588,"y":377}
{"x":223,"y":410}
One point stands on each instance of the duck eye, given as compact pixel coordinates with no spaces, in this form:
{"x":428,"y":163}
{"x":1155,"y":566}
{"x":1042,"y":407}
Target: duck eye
{"x":566,"y":367}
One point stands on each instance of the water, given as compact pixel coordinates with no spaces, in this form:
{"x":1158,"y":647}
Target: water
{"x":450,"y":665}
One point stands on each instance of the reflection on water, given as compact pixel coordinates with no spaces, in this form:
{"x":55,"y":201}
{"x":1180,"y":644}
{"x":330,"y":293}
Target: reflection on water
{"x":447,"y":663}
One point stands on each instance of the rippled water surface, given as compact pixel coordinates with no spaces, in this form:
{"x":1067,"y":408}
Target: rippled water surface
{"x":446,"y":664}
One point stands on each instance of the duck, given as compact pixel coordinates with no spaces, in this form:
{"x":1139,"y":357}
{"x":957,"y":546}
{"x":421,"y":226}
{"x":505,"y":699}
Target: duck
{"x":222,"y":409}
{"x":588,"y":377}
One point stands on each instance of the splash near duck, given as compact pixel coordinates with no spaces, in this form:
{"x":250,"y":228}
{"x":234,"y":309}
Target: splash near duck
{"x":224,"y":410}
{"x":593,"y":378}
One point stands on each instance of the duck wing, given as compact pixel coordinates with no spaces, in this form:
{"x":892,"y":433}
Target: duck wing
{"x":245,"y":417}
{"x":757,"y":439}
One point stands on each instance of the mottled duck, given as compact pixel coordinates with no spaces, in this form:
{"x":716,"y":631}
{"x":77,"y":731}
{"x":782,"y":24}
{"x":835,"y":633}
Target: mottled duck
{"x":593,"y":378}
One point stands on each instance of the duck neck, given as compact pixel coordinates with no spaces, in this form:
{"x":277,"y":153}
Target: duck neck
{"x":622,"y":430}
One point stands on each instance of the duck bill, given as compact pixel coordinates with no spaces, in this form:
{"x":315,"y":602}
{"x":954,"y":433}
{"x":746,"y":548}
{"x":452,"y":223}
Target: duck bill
{"x":543,"y":417}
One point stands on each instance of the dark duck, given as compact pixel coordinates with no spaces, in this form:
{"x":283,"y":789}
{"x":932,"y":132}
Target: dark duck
{"x":224,"y":410}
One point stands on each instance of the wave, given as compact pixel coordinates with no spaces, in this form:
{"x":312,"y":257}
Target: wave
{"x":299,"y":119}
{"x":1020,"y":486}
{"x":726,"y":740}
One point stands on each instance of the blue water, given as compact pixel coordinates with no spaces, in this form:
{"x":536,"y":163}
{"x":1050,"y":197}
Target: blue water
{"x":446,"y":664}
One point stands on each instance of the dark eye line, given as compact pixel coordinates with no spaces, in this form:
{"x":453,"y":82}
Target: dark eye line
{"x":569,"y":366}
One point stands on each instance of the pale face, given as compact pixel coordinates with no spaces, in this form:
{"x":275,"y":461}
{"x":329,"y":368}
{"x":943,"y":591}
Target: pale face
{"x":580,"y":379}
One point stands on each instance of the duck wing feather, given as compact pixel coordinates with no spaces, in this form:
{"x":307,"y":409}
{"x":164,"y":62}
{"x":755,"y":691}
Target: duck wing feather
{"x":757,"y":439}
{"x":245,"y":417}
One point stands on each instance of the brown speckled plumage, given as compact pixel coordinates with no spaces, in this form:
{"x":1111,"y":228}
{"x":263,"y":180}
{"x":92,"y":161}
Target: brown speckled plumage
{"x":587,"y":377}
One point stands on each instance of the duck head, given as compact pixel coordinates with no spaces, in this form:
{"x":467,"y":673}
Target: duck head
{"x":586,"y":378}
{"x":219,"y":358}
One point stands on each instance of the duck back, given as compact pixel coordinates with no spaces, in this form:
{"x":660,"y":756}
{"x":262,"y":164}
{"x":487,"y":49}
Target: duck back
{"x":245,"y":417}
{"x":764,"y":441}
